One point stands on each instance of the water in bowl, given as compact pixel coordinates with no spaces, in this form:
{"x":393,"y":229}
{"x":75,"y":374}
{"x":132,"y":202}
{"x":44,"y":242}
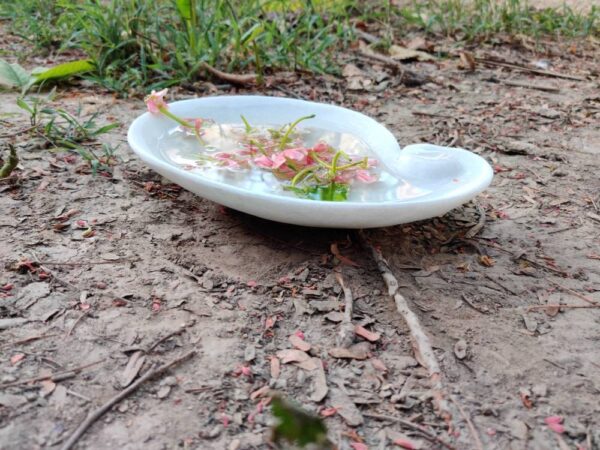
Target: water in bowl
{"x":183,"y":149}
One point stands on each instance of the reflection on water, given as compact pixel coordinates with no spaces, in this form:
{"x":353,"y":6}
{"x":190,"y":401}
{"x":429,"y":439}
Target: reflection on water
{"x":182,"y":149}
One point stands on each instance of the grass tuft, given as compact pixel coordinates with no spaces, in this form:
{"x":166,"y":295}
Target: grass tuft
{"x":148,"y":44}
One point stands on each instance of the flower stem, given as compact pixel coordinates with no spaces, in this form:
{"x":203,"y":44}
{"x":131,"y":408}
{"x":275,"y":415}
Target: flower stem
{"x":285,"y":138}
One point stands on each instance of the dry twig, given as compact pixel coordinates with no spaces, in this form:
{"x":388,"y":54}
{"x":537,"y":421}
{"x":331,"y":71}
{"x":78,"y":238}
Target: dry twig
{"x":53,"y":377}
{"x":407,"y":77}
{"x":346,"y":332}
{"x":420,"y":341}
{"x":470,"y":425}
{"x":95,"y":415}
{"x":244,"y":79}
{"x":509,"y":65}
{"x":426,"y":433}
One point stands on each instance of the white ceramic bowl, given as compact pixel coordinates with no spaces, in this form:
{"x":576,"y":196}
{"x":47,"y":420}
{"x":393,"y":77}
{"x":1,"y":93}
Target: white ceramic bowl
{"x":449,"y":176}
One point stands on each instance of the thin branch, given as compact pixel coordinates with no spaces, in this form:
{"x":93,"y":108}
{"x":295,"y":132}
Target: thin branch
{"x":346,"y":332}
{"x":53,"y":377}
{"x":420,"y":341}
{"x":95,"y":415}
{"x":470,"y":425}
{"x":426,"y":433}
{"x":244,"y":79}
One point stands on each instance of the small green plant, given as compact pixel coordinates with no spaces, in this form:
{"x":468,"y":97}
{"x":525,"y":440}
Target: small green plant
{"x":483,"y":19}
{"x":10,"y":163}
{"x":64,"y":131}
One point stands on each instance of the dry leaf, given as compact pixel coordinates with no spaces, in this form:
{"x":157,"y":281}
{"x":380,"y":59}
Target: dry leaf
{"x":299,"y":343}
{"x":320,"y":389}
{"x":48,"y":387}
{"x":419,"y":43}
{"x":525,"y":395}
{"x":297,"y":357}
{"x":16,"y":358}
{"x":259,"y":392}
{"x":134,"y":365}
{"x":467,"y":61}
{"x":342,"y":258}
{"x":486,"y":261}
{"x":356,"y":351}
{"x":368,"y":335}
{"x":270,"y":322}
{"x":378,"y":364}
{"x":275,"y":367}
{"x":406,"y":54}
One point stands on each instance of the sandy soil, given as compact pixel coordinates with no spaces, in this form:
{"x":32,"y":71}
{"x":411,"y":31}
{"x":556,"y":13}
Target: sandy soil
{"x":166,"y":272}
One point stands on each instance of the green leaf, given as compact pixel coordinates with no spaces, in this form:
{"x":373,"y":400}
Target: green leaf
{"x":185,"y":9}
{"x":334,"y":192}
{"x":297,"y":426}
{"x":13,"y":75}
{"x":66,"y":70}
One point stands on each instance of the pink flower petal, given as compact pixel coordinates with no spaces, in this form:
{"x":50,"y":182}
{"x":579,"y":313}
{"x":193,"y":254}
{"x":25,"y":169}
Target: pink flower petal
{"x":556,"y":427}
{"x":553,"y":419}
{"x":365,"y":176}
{"x":264,"y":162}
{"x":155,"y":101}
{"x":358,"y":446}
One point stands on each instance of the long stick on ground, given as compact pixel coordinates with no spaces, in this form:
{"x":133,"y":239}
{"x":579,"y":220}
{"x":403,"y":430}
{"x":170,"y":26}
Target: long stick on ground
{"x":95,"y":415}
{"x":346,"y":332}
{"x":420,"y":340}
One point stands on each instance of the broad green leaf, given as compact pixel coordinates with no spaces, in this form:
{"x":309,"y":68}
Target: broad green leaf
{"x":66,"y":70}
{"x":13,"y":75}
{"x":185,"y":8}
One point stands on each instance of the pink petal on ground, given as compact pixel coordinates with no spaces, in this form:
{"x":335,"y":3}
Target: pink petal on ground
{"x":553,"y":419}
{"x":556,"y":427}
{"x":358,"y":446}
{"x":404,"y":443}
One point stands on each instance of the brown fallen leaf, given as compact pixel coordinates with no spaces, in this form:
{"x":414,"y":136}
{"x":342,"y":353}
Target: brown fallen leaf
{"x":368,"y":335}
{"x":525,"y":395}
{"x":378,"y":364}
{"x":342,"y":258}
{"x":297,"y":357}
{"x":134,"y":365}
{"x":486,"y":261}
{"x":48,"y":387}
{"x":320,"y":388}
{"x":16,"y":358}
{"x":467,"y":61}
{"x":260,"y":392}
{"x":346,"y":408}
{"x":275,"y":367}
{"x":299,"y":343}
{"x":356,"y":351}
{"x":400,"y":53}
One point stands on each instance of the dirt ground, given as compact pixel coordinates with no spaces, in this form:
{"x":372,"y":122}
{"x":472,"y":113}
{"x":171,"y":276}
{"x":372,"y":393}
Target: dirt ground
{"x":166,"y":272}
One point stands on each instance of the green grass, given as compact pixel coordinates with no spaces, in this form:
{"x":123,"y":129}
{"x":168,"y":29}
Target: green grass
{"x":149,"y":44}
{"x":483,"y":19}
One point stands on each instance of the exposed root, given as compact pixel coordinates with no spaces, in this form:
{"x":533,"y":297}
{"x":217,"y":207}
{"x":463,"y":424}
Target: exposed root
{"x":420,"y":341}
{"x":240,"y":79}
